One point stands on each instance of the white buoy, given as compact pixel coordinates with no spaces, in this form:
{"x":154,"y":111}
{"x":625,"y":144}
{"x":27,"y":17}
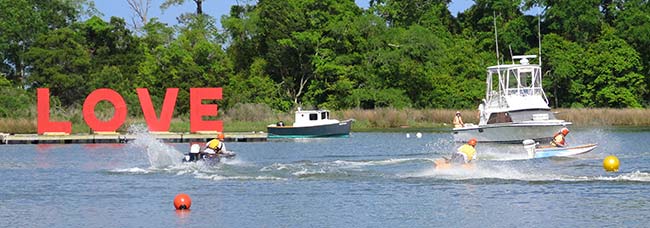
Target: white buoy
{"x":419,"y":135}
{"x":408,"y":135}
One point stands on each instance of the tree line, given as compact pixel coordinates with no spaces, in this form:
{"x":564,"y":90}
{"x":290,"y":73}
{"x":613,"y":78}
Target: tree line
{"x":325,"y":53}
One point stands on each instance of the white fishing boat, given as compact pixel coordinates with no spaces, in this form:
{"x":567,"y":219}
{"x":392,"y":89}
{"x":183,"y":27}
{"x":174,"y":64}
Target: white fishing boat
{"x":515,"y":106}
{"x":536,"y":151}
{"x":309,"y":124}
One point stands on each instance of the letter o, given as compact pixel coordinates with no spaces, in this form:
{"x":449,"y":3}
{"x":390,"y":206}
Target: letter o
{"x":118,"y":104}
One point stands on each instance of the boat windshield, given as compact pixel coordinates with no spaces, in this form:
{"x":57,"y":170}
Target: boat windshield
{"x":514,"y":80}
{"x":523,"y":81}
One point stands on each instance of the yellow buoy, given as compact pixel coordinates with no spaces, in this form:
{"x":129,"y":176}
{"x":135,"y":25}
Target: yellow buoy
{"x":610,"y":163}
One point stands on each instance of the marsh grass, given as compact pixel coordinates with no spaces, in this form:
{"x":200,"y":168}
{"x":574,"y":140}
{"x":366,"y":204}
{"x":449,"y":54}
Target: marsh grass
{"x":245,"y":126}
{"x":255,"y":117}
{"x":18,"y":126}
{"x":386,"y":118}
{"x":606,"y":117}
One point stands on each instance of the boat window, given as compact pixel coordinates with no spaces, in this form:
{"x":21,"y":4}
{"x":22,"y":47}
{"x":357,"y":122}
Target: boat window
{"x":521,"y":81}
{"x":499,"y":117}
{"x":531,"y":114}
{"x":313,"y":116}
{"x":323,"y":115}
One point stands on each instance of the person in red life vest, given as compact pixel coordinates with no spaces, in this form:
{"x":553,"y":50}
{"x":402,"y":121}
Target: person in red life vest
{"x":216,"y":147}
{"x":466,"y":153}
{"x":558,"y":138}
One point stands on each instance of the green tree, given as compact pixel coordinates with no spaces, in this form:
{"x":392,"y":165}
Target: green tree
{"x":611,"y":73}
{"x":563,"y":64}
{"x":22,"y":21}
{"x":15,"y":102}
{"x":168,"y":3}
{"x":194,"y":58}
{"x":578,"y":21}
{"x":60,"y":62}
{"x":404,"y":13}
{"x":242,"y":31}
{"x":256,"y":87}
{"x":515,"y":31}
{"x":344,"y":80}
{"x":633,"y":24}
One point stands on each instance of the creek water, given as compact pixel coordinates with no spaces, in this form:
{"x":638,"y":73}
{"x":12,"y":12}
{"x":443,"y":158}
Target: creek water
{"x":366,"y":180}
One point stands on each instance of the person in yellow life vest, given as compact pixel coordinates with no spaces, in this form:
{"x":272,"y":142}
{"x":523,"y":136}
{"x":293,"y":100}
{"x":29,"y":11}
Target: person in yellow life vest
{"x":558,"y":138}
{"x":215,"y":146}
{"x":458,"y":120}
{"x":466,"y":153}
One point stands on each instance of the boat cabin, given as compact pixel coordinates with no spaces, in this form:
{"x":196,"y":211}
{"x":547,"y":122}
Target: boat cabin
{"x":515,"y":86}
{"x":514,"y":93}
{"x":520,"y":116}
{"x":312,"y":117}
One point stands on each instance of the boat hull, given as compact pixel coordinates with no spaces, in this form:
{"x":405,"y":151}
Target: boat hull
{"x":208,"y":160}
{"x":508,"y":133}
{"x":341,"y":129}
{"x":563,"y":151}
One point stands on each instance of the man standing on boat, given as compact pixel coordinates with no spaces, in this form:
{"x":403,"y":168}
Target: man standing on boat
{"x":558,"y":138}
{"x":466,"y":153}
{"x":458,"y":120}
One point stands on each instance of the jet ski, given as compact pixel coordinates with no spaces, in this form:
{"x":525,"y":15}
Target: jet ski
{"x":210,"y":159}
{"x":534,"y":150}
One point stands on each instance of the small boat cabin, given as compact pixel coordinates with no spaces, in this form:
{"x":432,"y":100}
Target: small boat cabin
{"x":311,"y":117}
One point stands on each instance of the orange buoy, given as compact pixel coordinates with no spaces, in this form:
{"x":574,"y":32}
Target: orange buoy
{"x":182,"y":202}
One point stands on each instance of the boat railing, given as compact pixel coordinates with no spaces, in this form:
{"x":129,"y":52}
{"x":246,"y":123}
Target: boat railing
{"x":496,"y":100}
{"x":525,"y":91}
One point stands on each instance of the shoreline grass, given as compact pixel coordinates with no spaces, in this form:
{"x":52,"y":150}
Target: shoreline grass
{"x":384,"y":119}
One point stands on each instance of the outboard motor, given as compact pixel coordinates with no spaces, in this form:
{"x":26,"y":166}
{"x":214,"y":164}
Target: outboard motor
{"x":529,"y":146}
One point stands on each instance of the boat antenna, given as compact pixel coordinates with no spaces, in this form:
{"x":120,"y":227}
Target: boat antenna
{"x":513,"y":59}
{"x":496,"y":37}
{"x":539,"y":38}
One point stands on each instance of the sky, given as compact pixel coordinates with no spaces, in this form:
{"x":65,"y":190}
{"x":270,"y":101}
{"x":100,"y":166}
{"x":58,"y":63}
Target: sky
{"x":215,"y":8}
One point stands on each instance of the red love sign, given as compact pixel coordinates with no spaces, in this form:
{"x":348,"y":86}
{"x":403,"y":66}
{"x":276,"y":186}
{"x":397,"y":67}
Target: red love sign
{"x":154,"y":122}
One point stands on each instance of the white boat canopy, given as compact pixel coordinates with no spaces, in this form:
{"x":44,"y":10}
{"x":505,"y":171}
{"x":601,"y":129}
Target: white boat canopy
{"x":515,"y":86}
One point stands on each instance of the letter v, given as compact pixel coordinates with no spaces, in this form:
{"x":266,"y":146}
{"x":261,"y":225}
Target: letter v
{"x":169,"y":103}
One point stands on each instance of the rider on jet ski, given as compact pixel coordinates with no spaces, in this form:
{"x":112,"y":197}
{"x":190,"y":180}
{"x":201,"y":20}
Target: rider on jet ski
{"x":217,"y":147}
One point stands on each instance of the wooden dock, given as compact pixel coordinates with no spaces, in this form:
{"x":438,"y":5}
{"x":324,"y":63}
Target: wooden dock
{"x":169,"y":137}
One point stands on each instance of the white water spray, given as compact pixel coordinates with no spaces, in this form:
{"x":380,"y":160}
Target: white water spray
{"x":159,"y":154}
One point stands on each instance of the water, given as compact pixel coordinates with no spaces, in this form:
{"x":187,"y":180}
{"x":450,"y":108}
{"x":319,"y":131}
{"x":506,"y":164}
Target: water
{"x":367,"y":180}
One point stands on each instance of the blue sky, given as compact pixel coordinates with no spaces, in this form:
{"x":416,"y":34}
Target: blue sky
{"x":216,"y":8}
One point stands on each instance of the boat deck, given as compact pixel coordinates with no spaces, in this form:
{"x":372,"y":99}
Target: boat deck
{"x":169,"y":137}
